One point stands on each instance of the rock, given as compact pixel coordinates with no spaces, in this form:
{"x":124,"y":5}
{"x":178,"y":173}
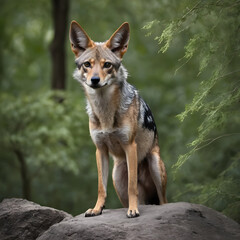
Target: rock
{"x":21,"y":219}
{"x":170,"y":221}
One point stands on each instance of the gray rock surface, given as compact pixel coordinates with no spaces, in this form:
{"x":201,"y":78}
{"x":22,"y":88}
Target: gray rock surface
{"x":173,"y":221}
{"x":21,"y":219}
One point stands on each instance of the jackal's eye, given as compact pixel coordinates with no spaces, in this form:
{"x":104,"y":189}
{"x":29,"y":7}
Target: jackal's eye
{"x":87,"y":64}
{"x":107,"y":65}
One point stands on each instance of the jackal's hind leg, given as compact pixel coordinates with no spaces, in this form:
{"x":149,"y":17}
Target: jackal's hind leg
{"x":158,"y":174}
{"x":120,"y":180}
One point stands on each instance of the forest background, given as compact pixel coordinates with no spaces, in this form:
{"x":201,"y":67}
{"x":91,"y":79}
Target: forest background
{"x":183,"y":57}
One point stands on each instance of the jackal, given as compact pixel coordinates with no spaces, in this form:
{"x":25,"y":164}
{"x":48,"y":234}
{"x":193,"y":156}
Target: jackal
{"x":120,"y":122}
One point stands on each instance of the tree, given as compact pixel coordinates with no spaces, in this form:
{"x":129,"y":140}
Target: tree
{"x":60,"y":19}
{"x":40,"y":132}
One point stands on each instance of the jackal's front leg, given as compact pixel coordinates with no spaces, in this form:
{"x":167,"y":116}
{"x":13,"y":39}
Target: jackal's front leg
{"x":102,"y":166}
{"x":132,"y":163}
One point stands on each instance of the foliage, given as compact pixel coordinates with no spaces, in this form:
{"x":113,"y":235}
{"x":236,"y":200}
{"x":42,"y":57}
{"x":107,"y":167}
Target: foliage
{"x":42,"y":129}
{"x":212,"y":30}
{"x":24,"y":60}
{"x":48,"y":134}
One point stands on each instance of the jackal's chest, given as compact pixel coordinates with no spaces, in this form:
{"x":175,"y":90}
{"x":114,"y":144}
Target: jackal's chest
{"x":112,"y":138}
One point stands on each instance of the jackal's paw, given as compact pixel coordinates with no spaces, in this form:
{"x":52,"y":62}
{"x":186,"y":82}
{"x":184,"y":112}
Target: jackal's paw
{"x":132,"y":213}
{"x":93,"y":212}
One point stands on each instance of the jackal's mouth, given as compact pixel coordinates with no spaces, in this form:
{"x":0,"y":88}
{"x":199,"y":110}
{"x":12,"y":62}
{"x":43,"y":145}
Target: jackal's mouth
{"x":96,"y":86}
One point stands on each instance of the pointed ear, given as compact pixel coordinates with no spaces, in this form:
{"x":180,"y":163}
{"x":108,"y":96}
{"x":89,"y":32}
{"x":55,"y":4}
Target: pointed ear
{"x":118,"y":42}
{"x":79,"y":39}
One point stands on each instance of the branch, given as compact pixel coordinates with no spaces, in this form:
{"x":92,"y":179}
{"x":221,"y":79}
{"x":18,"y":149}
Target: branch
{"x":191,"y":10}
{"x":215,"y":139}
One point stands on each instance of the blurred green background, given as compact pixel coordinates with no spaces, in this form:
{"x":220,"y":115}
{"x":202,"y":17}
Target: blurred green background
{"x":183,"y":57}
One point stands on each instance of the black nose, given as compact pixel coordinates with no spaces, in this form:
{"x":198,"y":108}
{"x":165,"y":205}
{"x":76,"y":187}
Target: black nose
{"x":95,"y":80}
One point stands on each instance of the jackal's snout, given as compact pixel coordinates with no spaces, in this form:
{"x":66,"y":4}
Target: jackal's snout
{"x":95,"y":81}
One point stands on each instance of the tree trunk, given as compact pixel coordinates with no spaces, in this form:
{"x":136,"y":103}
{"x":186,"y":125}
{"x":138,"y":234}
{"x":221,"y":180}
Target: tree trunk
{"x":57,"y":48}
{"x":26,"y":185}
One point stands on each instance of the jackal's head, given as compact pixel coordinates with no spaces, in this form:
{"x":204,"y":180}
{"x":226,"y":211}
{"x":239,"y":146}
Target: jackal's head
{"x":98,"y":63}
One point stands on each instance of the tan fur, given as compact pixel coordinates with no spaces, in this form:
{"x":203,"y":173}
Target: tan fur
{"x":116,"y":125}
